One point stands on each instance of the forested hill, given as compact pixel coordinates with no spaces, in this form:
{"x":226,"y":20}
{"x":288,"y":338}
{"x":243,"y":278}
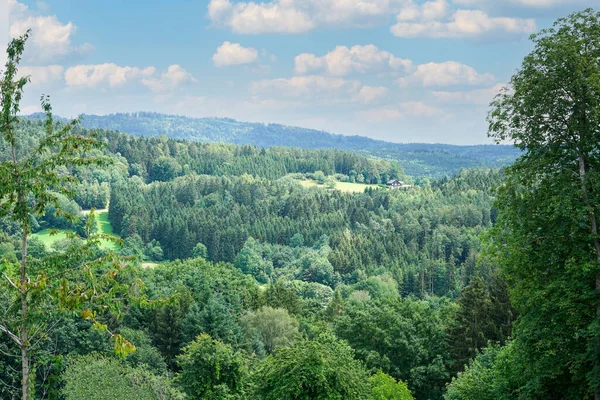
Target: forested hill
{"x":244,"y":239}
{"x":417,"y":159}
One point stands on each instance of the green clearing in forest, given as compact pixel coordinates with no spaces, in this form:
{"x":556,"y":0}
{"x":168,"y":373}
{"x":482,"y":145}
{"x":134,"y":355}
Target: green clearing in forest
{"x":103,"y":226}
{"x":49,"y":239}
{"x":342,"y":186}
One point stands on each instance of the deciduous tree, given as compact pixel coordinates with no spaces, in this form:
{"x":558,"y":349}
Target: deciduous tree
{"x":211,"y":369}
{"x":31,"y":183}
{"x":384,"y":387}
{"x":322,"y":369}
{"x":547,"y":238}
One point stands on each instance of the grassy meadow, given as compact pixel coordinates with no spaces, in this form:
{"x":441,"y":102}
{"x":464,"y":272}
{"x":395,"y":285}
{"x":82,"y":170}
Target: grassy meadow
{"x":342,"y":186}
{"x":102,"y":226}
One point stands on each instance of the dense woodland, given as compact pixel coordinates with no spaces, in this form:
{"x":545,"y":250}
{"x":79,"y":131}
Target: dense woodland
{"x":426,"y":238}
{"x":233,"y":280}
{"x":235,"y":220}
{"x":417,"y":159}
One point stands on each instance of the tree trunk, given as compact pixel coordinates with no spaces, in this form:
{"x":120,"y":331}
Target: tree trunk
{"x":24,"y":366}
{"x":24,"y":332}
{"x":594,"y":230}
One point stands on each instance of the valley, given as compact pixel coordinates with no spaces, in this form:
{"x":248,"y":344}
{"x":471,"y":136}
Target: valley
{"x":153,"y":256}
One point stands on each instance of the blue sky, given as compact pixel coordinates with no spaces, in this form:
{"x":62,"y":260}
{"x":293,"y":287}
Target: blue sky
{"x":398,"y":70}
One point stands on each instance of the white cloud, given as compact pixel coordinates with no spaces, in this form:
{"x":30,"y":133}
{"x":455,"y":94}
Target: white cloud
{"x":546,"y":3}
{"x":325,"y":89}
{"x":174,"y":77}
{"x":297,"y":16}
{"x":313,"y":90}
{"x":4,"y":10}
{"x":541,"y":4}
{"x":306,"y":62}
{"x":477,"y":96}
{"x":368,"y":94}
{"x":234,"y":54}
{"x":431,"y":10}
{"x":259,"y":18}
{"x":42,"y":75}
{"x":414,"y":109}
{"x":344,"y":61}
{"x":89,"y":76}
{"x":381,"y":114}
{"x":16,"y":9}
{"x":50,"y":38}
{"x":446,"y":74}
{"x":31,"y":109}
{"x":306,"y":86}
{"x":418,"y":109}
{"x":433,"y":19}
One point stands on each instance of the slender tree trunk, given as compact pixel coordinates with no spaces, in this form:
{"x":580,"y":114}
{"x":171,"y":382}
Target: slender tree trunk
{"x":23,"y":288}
{"x":594,"y":230}
{"x":24,"y":332}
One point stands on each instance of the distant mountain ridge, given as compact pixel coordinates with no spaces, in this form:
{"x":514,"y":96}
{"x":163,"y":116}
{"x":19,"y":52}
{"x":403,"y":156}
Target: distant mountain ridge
{"x":418,"y":159}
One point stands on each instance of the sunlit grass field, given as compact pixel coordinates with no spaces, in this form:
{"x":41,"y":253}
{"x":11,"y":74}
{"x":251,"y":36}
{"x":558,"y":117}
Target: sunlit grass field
{"x":103,"y":226}
{"x":49,"y":239}
{"x":342,"y":186}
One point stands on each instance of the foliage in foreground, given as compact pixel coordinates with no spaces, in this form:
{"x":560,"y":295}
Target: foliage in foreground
{"x":321,"y":369}
{"x":35,"y":292}
{"x":211,"y":369}
{"x":546,"y":240}
{"x":384,"y":387}
{"x":96,"y":377}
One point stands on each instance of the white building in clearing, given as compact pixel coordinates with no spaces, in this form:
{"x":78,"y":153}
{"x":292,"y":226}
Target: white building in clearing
{"x":396,"y":184}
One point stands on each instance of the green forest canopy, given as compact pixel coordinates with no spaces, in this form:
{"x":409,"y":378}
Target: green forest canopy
{"x":417,"y":159}
{"x":235,"y":281}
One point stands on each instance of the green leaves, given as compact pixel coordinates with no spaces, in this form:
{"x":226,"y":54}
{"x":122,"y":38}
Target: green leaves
{"x":41,"y":289}
{"x":122,"y":347}
{"x":211,"y":369}
{"x":11,"y":91}
{"x":322,"y":369}
{"x":403,"y":337}
{"x":97,"y":377}
{"x":384,"y":387}
{"x":546,"y":240}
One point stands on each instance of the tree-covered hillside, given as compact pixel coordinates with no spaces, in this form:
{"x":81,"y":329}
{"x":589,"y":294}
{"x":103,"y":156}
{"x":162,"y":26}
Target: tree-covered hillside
{"x":257,"y":268}
{"x":225,"y":271}
{"x":417,"y":159}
